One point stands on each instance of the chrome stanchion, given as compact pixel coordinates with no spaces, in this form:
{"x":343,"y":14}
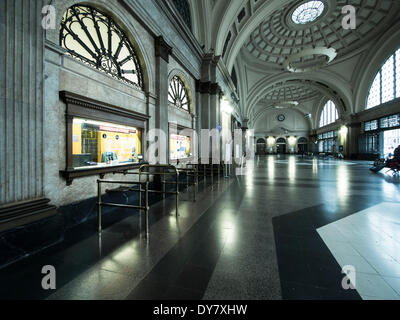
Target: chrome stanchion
{"x":99,"y":207}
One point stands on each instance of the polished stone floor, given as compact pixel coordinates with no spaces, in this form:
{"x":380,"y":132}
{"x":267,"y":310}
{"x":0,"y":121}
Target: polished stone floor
{"x":259,"y":235}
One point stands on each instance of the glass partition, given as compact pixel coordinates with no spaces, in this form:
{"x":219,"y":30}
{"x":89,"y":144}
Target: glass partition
{"x":99,"y":144}
{"x":180,"y":147}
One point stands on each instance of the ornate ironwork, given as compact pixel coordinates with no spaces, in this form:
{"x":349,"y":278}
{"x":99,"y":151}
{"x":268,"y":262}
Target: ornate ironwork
{"x":178,"y":95}
{"x":184,"y":10}
{"x":94,"y":38}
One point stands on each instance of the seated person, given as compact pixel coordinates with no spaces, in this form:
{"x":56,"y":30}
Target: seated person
{"x":108,"y":157}
{"x":396,"y":156}
{"x":397,"y":153}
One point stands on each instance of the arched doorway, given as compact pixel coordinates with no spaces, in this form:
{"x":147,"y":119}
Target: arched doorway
{"x":281,"y":146}
{"x":261,"y":147}
{"x":302,"y":145}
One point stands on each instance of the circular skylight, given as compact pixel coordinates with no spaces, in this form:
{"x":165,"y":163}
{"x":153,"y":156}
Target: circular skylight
{"x":308,"y":12}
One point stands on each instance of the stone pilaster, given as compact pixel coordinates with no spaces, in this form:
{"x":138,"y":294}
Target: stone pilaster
{"x":21,"y":101}
{"x":163,"y":50}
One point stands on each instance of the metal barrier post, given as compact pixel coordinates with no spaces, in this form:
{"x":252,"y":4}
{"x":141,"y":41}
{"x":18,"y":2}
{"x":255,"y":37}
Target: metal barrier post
{"x":163,"y":182}
{"x":177,"y":193}
{"x":147,"y":209}
{"x":140,"y":191}
{"x":195,"y":183}
{"x":99,"y":206}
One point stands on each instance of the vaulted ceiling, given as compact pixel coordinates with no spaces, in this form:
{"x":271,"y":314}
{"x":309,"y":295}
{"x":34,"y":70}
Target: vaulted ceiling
{"x":289,"y":65}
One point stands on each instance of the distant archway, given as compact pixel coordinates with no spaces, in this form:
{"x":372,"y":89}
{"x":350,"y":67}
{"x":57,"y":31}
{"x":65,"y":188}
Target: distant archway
{"x":281,"y":146}
{"x":261,"y":147}
{"x":302,"y":145}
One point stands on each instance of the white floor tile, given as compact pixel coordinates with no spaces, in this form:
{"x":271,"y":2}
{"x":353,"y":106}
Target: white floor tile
{"x":370,"y":241}
{"x":387,"y":268}
{"x":374,"y":286}
{"x":371,"y":252}
{"x":368,"y":298}
{"x":358,"y":262}
{"x":394,"y":283}
{"x":342,"y":249}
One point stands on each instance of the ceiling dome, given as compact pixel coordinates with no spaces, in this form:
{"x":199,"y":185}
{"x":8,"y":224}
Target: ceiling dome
{"x":290,"y":92}
{"x":310,"y":24}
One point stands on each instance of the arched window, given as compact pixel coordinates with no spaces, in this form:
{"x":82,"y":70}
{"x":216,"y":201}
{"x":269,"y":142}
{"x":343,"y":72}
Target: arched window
{"x":386,"y":85}
{"x":184,"y":10}
{"x":329,"y":114}
{"x":178,"y":94}
{"x":94,"y":38}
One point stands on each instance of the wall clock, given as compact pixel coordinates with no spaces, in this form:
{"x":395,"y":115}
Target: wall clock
{"x":281,"y":118}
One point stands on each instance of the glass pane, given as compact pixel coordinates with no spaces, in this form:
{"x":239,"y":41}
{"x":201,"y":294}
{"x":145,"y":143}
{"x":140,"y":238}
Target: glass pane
{"x":388,"y":80}
{"x":179,"y":147}
{"x":329,"y":114}
{"x":394,"y":121}
{"x":308,"y":12}
{"x":84,"y":32}
{"x":385,"y":123}
{"x":99,"y":144}
{"x":391,"y":141}
{"x":374,"y":98}
{"x":178,"y":94}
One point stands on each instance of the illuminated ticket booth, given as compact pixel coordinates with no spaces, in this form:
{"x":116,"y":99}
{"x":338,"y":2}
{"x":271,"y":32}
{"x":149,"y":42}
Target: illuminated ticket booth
{"x":179,"y":147}
{"x":97,"y":143}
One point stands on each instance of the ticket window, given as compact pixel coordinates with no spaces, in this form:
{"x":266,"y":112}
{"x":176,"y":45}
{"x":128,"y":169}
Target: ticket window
{"x":180,"y":147}
{"x":96,"y":143}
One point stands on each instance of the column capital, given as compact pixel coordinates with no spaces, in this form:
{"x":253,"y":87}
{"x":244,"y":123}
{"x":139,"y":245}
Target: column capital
{"x":215,"y":89}
{"x":208,"y":87}
{"x":163,"y":50}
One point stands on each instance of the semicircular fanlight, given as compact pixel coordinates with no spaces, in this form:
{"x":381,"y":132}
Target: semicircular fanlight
{"x":178,"y":94}
{"x":94,"y":38}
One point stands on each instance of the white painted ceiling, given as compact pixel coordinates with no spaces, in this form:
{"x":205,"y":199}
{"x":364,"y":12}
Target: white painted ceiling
{"x":256,"y":36}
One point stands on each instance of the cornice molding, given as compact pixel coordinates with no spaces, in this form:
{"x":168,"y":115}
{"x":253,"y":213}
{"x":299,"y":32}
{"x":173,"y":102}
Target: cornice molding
{"x":74,"y":99}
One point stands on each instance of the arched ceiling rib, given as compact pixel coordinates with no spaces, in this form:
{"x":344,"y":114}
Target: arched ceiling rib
{"x":325,"y":82}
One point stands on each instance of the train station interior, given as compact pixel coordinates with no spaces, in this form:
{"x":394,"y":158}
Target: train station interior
{"x":200,"y":150}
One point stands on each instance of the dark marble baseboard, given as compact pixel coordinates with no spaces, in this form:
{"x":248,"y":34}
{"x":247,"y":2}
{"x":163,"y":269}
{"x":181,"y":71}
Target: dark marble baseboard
{"x":29,"y":239}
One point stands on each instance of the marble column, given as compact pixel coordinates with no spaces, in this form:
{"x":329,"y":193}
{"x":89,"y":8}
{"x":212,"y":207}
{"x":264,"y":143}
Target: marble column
{"x":351,"y":148}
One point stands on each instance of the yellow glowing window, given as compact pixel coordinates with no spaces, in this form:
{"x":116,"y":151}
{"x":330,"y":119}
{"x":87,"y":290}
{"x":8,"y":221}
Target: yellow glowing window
{"x":96,"y":143}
